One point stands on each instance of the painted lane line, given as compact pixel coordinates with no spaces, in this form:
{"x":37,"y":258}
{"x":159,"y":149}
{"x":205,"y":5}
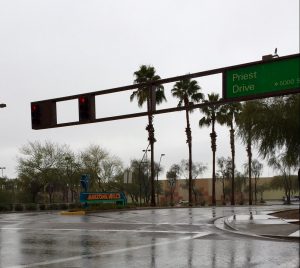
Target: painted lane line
{"x":80,"y":257}
{"x":101,"y":230}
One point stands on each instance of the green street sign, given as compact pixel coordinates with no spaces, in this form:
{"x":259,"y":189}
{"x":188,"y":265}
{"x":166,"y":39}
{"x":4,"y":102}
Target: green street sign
{"x":265,"y":78}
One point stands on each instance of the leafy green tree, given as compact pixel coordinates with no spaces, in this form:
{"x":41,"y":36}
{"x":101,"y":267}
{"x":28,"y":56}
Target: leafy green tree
{"x":197,"y":170}
{"x":144,"y":76}
{"x":188,"y":91}
{"x":261,"y":189}
{"x":71,"y":171}
{"x":102,"y":167}
{"x":229,"y":113}
{"x":240,"y":182}
{"x":282,"y":164}
{"x":139,"y":189}
{"x":8,"y":190}
{"x":38,"y":165}
{"x":278,"y":128}
{"x":213,"y":115}
{"x":246,"y":122}
{"x":91,"y":161}
{"x":289,"y":184}
{"x":224,"y":173}
{"x":257,"y":169}
{"x":172,"y":176}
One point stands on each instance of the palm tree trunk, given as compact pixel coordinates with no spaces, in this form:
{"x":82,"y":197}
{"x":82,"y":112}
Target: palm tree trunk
{"x":151,"y":140}
{"x":249,"y":152}
{"x":233,"y":164}
{"x":213,"y":136}
{"x":152,"y":171}
{"x":189,"y":142}
{"x":255,"y":194}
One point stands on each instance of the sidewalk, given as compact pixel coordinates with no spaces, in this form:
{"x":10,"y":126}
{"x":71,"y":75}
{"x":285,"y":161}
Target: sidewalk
{"x":262,"y":225}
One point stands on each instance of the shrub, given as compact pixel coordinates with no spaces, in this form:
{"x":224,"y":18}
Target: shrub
{"x":30,"y":206}
{"x":42,"y":206}
{"x":74,"y":205}
{"x":19,"y":207}
{"x":52,"y":206}
{"x":5,"y":207}
{"x":63,"y":206}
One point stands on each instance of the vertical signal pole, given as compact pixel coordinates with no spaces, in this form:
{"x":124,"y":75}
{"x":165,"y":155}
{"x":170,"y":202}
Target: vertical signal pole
{"x":151,"y":107}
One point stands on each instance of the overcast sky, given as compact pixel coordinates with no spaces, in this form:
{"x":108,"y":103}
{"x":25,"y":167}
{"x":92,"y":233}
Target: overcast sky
{"x":55,"y":48}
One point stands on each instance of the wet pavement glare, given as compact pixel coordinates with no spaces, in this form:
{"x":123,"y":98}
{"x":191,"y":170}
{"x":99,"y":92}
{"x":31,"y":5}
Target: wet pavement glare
{"x":179,"y":237}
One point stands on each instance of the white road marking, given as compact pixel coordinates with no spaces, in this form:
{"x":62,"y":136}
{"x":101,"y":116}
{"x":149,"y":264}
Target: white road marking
{"x":101,"y":230}
{"x":122,"y":250}
{"x":295,"y":234}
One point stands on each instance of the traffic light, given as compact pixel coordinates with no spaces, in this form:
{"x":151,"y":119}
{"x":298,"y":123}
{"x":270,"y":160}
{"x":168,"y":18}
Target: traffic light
{"x":35,"y":115}
{"x":43,"y":114}
{"x":86,"y":106}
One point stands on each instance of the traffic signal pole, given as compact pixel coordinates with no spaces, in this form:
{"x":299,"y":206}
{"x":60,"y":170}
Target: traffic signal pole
{"x":151,"y":138}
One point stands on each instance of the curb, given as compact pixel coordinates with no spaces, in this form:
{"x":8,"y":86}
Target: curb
{"x":237,"y":231}
{"x":72,"y":213}
{"x":293,"y":238}
{"x":226,"y":222}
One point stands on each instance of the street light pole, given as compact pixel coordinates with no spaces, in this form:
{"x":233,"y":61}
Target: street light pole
{"x":157,"y":194}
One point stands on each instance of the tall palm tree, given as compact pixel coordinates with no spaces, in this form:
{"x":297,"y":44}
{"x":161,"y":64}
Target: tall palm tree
{"x":229,"y":114}
{"x":246,"y":130}
{"x":212,"y":116}
{"x":152,"y":95}
{"x":187,"y":91}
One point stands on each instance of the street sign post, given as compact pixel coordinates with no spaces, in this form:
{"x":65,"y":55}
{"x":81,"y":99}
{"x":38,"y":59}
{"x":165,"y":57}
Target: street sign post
{"x":265,"y":78}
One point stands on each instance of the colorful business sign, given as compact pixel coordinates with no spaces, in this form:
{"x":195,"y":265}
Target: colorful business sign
{"x":270,"y":77}
{"x":103,"y":197}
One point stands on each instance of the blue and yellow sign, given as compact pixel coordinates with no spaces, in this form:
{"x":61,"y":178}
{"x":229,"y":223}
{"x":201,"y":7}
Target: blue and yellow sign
{"x":118,"y":198}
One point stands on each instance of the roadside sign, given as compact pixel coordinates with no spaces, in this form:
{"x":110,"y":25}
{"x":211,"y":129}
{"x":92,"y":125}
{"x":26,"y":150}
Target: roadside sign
{"x":118,"y":198}
{"x":265,"y":78}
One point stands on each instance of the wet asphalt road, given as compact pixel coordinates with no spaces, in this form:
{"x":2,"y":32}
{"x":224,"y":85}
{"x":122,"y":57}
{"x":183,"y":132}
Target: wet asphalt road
{"x":179,"y":237}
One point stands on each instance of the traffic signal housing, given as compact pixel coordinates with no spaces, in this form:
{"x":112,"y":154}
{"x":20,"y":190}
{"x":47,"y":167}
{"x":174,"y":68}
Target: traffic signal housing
{"x":86,"y":107}
{"x":43,"y":114}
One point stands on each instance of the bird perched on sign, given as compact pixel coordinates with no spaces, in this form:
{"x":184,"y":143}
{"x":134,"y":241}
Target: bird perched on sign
{"x":275,"y":53}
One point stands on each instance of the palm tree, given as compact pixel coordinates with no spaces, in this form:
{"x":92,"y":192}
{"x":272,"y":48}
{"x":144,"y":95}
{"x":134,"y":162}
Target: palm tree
{"x":152,"y":95}
{"x":187,"y":91}
{"x":246,"y":130}
{"x":212,"y":114}
{"x":229,"y":113}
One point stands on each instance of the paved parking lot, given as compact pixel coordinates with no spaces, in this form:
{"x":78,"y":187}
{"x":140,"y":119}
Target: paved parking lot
{"x":181,"y":237}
